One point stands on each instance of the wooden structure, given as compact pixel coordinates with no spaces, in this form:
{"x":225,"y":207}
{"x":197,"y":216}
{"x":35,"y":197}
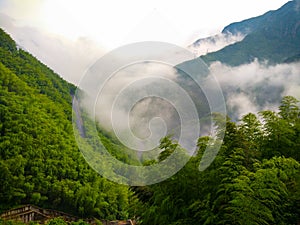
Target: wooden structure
{"x":30,"y":213}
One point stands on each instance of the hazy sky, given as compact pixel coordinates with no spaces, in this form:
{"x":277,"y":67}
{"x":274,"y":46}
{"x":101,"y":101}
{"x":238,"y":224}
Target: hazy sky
{"x":69,"y":35}
{"x":116,"y":22}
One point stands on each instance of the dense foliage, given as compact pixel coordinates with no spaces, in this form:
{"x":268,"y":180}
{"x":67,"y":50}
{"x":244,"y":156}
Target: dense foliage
{"x":255,"y":178}
{"x":39,"y":160}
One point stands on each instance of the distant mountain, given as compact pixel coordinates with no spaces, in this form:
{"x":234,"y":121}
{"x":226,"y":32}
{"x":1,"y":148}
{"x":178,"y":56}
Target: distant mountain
{"x":274,"y":36}
{"x":271,"y":38}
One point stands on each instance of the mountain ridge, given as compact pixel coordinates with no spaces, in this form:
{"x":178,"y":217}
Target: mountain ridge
{"x":273,"y":37}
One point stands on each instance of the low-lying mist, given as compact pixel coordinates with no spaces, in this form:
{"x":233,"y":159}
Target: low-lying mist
{"x":214,"y":43}
{"x":143,"y":103}
{"x":248,"y":88}
{"x":256,"y":86}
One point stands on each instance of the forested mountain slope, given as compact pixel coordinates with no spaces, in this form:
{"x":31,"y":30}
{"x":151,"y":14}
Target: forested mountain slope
{"x":274,"y":36}
{"x":39,"y":160}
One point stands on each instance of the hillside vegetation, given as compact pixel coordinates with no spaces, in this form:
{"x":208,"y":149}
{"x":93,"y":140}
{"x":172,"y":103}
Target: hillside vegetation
{"x":39,"y":160}
{"x":254,"y":180}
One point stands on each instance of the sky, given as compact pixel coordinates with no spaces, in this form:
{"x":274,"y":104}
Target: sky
{"x":115,"y":22}
{"x":70,"y":35}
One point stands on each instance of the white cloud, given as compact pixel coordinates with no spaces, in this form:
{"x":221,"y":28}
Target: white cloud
{"x":69,"y":58}
{"x":241,"y":103}
{"x":257,"y":86}
{"x":214,"y":43}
